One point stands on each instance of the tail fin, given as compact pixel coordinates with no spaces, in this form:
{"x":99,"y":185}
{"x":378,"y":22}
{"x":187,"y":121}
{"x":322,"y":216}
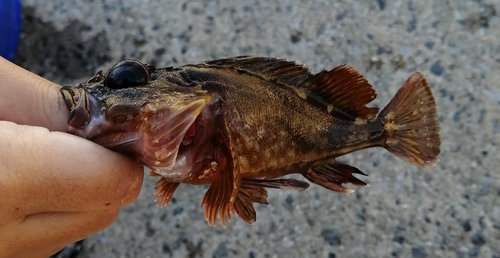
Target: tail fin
{"x":410,"y":122}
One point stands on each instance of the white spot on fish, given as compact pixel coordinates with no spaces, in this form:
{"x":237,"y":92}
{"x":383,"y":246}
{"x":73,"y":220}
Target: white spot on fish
{"x":243,"y":161}
{"x":205,"y":173}
{"x":261,"y":132}
{"x":267,"y":154}
{"x":256,"y":147}
{"x":390,"y":116}
{"x":392,"y":141}
{"x":301,"y":94}
{"x":329,"y":109}
{"x":213,"y":165}
{"x":360,"y":121}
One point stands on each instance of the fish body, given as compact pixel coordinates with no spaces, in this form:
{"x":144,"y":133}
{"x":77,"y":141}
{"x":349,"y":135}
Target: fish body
{"x":241,"y":124}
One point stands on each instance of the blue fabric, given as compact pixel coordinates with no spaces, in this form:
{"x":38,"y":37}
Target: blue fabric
{"x":10,"y":27}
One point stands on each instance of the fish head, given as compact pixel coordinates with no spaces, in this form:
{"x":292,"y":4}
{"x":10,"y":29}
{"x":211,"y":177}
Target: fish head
{"x":133,"y":110}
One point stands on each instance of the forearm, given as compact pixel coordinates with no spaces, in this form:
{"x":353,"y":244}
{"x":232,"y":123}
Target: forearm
{"x":28,"y":99}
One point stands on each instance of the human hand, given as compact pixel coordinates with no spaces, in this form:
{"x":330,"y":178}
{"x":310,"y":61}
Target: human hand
{"x":55,"y":188}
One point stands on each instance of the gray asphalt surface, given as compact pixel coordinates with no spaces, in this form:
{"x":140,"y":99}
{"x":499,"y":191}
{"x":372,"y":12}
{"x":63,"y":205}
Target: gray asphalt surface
{"x":450,"y":210}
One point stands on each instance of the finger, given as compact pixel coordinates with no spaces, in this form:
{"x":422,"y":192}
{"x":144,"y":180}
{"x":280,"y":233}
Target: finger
{"x":48,"y":252}
{"x":69,"y":250}
{"x":26,"y":98}
{"x":53,"y":171}
{"x":42,"y":253}
{"x":46,"y":233}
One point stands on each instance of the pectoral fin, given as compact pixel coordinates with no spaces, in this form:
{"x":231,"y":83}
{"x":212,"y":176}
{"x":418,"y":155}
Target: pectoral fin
{"x":164,"y":191}
{"x":220,"y":197}
{"x":217,"y":201}
{"x":332,"y":176}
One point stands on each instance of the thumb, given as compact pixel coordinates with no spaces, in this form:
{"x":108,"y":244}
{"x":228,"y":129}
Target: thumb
{"x":45,"y":171}
{"x":26,"y":98}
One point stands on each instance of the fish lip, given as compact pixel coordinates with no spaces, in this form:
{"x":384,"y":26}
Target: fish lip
{"x":81,"y":104}
{"x":67,"y":94}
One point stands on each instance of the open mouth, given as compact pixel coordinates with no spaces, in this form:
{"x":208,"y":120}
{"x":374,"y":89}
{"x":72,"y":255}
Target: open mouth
{"x":190,"y":133}
{"x":192,"y":137}
{"x":173,"y":136}
{"x":195,"y":138}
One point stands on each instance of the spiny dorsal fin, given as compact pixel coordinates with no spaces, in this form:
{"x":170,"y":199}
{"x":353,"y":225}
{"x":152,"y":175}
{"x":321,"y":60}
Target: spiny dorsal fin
{"x":280,"y":70}
{"x":344,"y":88}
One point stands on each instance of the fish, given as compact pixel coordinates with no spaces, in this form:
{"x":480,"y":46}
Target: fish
{"x":243,"y":124}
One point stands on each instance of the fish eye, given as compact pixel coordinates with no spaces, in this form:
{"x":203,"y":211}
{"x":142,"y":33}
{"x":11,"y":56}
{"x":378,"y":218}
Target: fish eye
{"x":127,"y":74}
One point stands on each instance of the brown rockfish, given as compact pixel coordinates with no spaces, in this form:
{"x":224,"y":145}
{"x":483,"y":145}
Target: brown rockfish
{"x":241,"y":124}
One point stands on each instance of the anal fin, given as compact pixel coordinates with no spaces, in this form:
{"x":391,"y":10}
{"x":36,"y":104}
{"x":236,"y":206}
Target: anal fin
{"x":164,"y":191}
{"x":332,"y":176}
{"x":247,"y":195}
{"x":252,"y":190}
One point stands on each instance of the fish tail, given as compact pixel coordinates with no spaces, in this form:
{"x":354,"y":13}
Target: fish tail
{"x":410,"y":123}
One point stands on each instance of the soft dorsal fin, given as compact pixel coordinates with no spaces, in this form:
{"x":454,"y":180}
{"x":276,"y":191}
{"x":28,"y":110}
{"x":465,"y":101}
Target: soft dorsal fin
{"x":279,"y":70}
{"x":343,"y":88}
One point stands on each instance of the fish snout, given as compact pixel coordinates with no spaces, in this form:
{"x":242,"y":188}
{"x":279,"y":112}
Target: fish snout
{"x":80,"y":105}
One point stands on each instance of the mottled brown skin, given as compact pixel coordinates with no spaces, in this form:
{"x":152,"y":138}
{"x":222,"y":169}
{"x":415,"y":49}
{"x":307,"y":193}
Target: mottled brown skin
{"x":254,"y":121}
{"x":288,"y":136}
